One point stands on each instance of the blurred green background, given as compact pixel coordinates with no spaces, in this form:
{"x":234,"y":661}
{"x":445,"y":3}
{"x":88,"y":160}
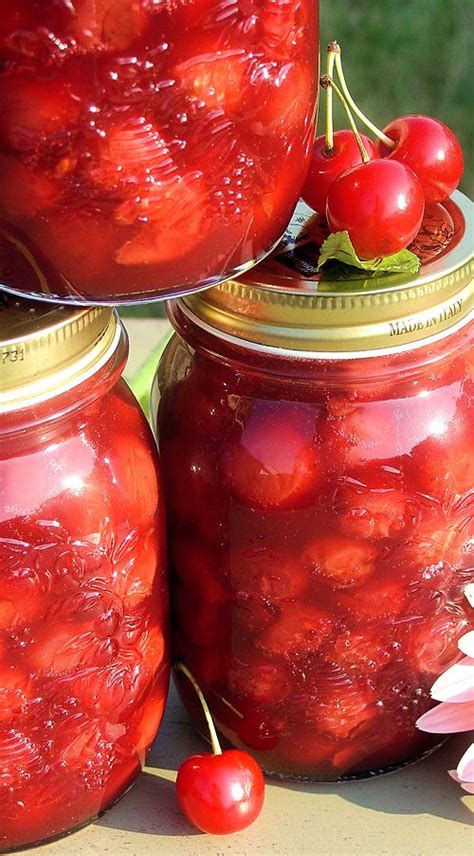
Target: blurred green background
{"x":400,"y":56}
{"x":407,"y":56}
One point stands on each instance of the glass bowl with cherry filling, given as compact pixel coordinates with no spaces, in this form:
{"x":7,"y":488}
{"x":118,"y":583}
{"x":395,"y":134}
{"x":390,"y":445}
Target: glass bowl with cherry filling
{"x":317,"y":444}
{"x":171,"y":139}
{"x":84,"y":662}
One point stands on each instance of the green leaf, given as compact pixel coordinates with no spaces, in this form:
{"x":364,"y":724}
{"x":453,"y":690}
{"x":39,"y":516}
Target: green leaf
{"x":338,"y":247}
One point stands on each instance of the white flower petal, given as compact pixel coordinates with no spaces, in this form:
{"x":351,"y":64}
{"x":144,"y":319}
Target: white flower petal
{"x":456,"y":684}
{"x":465,"y":768}
{"x":466,"y":644}
{"x":447,"y":718}
{"x":468,"y":786}
{"x":469,"y":592}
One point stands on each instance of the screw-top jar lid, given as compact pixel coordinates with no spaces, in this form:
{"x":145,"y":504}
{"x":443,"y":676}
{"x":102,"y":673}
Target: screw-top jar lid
{"x":46,"y":349}
{"x":284,"y":304}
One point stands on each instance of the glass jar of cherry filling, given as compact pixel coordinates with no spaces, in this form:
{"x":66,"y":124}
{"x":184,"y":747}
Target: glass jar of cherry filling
{"x":317,"y":440}
{"x":171,"y":138}
{"x":83,"y":595}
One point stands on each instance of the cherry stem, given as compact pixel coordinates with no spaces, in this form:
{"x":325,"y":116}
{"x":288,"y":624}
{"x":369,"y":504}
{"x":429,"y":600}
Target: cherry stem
{"x":329,"y":106}
{"x":363,"y":118}
{"x":216,"y":746}
{"x":327,"y":82}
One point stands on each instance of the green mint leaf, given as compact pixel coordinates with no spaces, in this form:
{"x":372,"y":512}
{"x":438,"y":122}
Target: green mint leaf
{"x":338,"y":247}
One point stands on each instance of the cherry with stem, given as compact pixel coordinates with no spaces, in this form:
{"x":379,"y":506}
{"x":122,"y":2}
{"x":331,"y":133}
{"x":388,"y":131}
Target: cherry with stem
{"x":221,"y":792}
{"x":424,"y":144}
{"x":379,"y":202}
{"x":333,"y":152}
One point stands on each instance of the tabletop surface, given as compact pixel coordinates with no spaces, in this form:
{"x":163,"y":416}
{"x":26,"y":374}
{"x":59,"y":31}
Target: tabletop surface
{"x":417,"y":811}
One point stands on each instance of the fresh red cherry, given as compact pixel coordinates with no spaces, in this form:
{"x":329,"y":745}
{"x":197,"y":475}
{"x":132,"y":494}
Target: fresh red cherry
{"x":327,"y":164}
{"x":430,"y":149}
{"x":422,"y":143}
{"x":223,"y":792}
{"x":380,"y":204}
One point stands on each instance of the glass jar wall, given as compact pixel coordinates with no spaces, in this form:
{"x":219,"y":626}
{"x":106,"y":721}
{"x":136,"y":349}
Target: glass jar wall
{"x":320,"y":509}
{"x":84,"y":663}
{"x":172,"y":139}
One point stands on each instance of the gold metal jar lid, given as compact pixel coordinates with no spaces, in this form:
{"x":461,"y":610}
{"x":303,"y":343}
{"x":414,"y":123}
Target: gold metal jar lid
{"x":283,"y":304}
{"x":46,"y":349}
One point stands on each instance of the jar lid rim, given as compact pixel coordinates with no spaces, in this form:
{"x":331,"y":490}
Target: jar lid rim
{"x":48,"y":348}
{"x":275,"y":305}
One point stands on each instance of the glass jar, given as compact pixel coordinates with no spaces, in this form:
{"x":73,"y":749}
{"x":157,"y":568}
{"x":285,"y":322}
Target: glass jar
{"x":171,"y":138}
{"x":317,"y":443}
{"x":84,"y":662}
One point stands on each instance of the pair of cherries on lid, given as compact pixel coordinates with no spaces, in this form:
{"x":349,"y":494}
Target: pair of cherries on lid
{"x":381,"y":202}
